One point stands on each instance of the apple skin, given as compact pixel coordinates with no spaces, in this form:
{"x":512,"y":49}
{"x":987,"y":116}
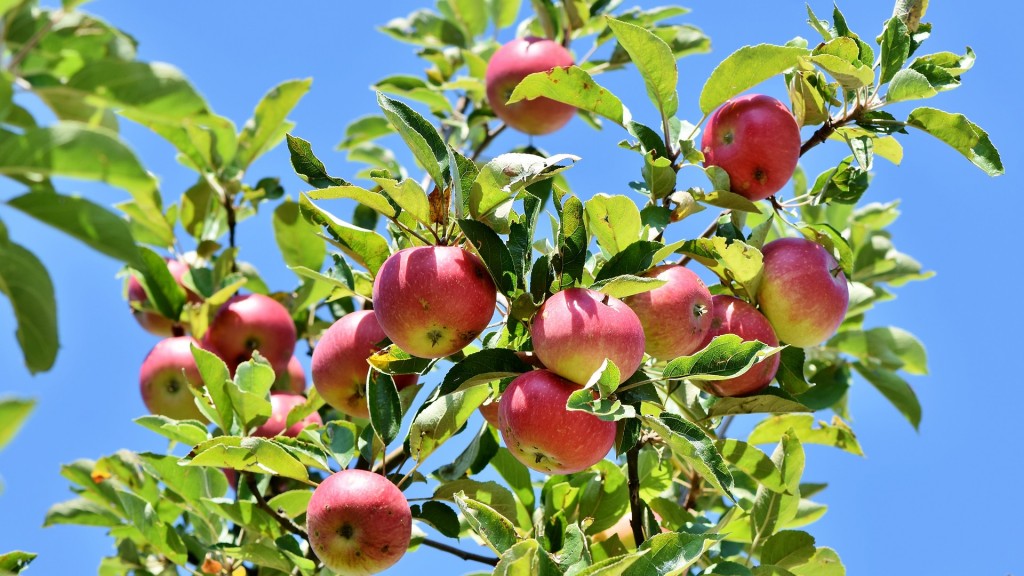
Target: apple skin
{"x":252,"y":322}
{"x":433,"y":300}
{"x":166,"y":373}
{"x":150,"y":320}
{"x":508,"y":66}
{"x":358,"y":522}
{"x":339,"y":362}
{"x":756,"y":140}
{"x":676,"y":315}
{"x":542,"y":434}
{"x":293,"y":379}
{"x":576,"y":329}
{"x":280,"y":405}
{"x":731,"y":315}
{"x":803,"y":292}
{"x":490,"y":411}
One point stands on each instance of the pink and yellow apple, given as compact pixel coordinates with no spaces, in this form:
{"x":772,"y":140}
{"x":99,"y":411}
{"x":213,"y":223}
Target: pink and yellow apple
{"x":358,"y":522}
{"x":542,"y":434}
{"x":676,"y":315}
{"x":803,"y":292}
{"x":508,"y":66}
{"x":340,"y":366}
{"x":756,"y":140}
{"x":433,"y":300}
{"x":252,"y":322}
{"x":576,"y":329}
{"x":165,"y":377}
{"x":293,"y":380}
{"x":731,"y":315}
{"x":280,"y":405}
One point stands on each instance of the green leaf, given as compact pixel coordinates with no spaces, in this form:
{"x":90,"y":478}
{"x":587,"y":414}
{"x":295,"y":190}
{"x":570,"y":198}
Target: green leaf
{"x":27,"y":284}
{"x":394,"y":360}
{"x":89,"y":222}
{"x":493,"y":252}
{"x":752,"y":462}
{"x":269,"y":122}
{"x":671,"y":553}
{"x":893,"y":347}
{"x":573,"y":86}
{"x":732,"y":261}
{"x":13,"y":413}
{"x":895,"y":389}
{"x":637,"y":258}
{"x":188,"y":432}
{"x":292,"y":503}
{"x":654,"y":60}
{"x":207,"y":142}
{"x":614,"y":220}
{"x":614,"y":566}
{"x":572,"y":244}
{"x":836,"y":434}
{"x":850,"y":75}
{"x":503,"y":12}
{"x":516,"y":475}
{"x":365,"y":197}
{"x":496,"y":531}
{"x":474,"y":458}
{"x":910,"y":12}
{"x":909,"y":84}
{"x":215,"y":378}
{"x":960,"y":133}
{"x":483,"y":367}
{"x":340,"y":438}
{"x":825,"y":562}
{"x":365,"y":129}
{"x":727,"y":356}
{"x":773,"y":509}
{"x":583,"y":400}
{"x":526,"y":558}
{"x":492,"y":494}
{"x":250,"y":391}
{"x":299,"y":244}
{"x":409,"y":196}
{"x":81,"y":512}
{"x":365,"y":246}
{"x":504,"y":177}
{"x":441,"y":419}
{"x":308,"y":166}
{"x":385,"y":406}
{"x":788,"y":549}
{"x":420,"y":136}
{"x":153,"y":90}
{"x":768,"y":401}
{"x":895,"y":48}
{"x":251,"y":454}
{"x":441,"y":517}
{"x":162,"y":289}
{"x":15,"y":562}
{"x":689,"y":442}
{"x":746,"y":68}
{"x":627,"y":285}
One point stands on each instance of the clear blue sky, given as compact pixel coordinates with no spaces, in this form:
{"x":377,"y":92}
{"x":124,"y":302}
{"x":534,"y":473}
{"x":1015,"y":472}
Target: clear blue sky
{"x":898,"y":511}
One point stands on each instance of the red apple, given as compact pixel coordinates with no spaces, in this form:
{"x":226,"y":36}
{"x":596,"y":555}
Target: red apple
{"x":339,"y":362}
{"x":756,"y":140}
{"x":490,"y":411}
{"x":515,"y":61}
{"x":803,"y":292}
{"x":575,"y":330}
{"x":734,"y":316}
{"x":165,"y":376}
{"x":253,"y":322}
{"x":358,"y":522}
{"x":280,"y":405}
{"x":151,"y":320}
{"x":293,"y":379}
{"x":433,"y":300}
{"x":542,"y":434}
{"x":676,"y":315}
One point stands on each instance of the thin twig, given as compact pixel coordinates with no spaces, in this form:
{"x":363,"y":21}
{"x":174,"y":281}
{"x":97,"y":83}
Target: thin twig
{"x":636,"y":520}
{"x":491,"y":135}
{"x":707,"y":233}
{"x":285,"y":523}
{"x":392,"y":461}
{"x":490,"y":561}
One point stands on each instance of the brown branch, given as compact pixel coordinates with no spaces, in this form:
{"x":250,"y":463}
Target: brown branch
{"x":707,"y":233}
{"x":636,"y":520}
{"x":829,"y":127}
{"x":694,"y":493}
{"x":392,"y":461}
{"x":286,"y":523}
{"x":490,"y":561}
{"x":491,"y":135}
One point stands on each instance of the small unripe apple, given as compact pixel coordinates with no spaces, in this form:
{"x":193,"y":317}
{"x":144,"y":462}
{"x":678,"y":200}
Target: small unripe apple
{"x":542,"y":434}
{"x":339,"y":362}
{"x":253,"y":322}
{"x":576,"y":329}
{"x":293,"y":379}
{"x":803,"y":292}
{"x":676,"y":315}
{"x":433,"y":300}
{"x":756,"y":140}
{"x":280,"y":405}
{"x":508,"y":66}
{"x":731,"y":315}
{"x":151,"y":320}
{"x":165,"y":377}
{"x":358,"y":522}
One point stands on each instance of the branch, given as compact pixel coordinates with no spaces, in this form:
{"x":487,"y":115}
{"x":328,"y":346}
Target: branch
{"x":707,"y":233}
{"x":830,"y":126}
{"x":460,"y":553}
{"x":636,"y":520}
{"x":694,"y":492}
{"x":491,"y":135}
{"x":392,"y":461}
{"x":286,"y":523}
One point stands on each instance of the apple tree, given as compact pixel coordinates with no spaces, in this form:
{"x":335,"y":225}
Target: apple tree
{"x":607,"y":371}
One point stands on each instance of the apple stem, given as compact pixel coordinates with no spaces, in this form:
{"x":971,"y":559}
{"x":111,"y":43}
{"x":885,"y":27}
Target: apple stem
{"x":490,"y":561}
{"x":635,"y":509}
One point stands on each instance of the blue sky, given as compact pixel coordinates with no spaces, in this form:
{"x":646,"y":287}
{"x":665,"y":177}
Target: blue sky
{"x":896,"y":511}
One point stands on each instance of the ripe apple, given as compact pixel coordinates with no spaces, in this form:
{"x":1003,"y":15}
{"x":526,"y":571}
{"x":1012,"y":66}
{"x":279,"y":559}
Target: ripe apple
{"x":734,"y":316}
{"x":676,"y":315}
{"x":253,"y":322}
{"x":490,"y":411}
{"x":433,"y":300}
{"x":339,"y":362}
{"x":756,"y":140}
{"x":542,"y":434}
{"x":576,"y":329}
{"x":803,"y":292}
{"x":293,"y":379}
{"x":508,"y":66}
{"x":358,"y":522}
{"x":165,"y":376}
{"x":151,"y":320}
{"x":280,"y":405}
